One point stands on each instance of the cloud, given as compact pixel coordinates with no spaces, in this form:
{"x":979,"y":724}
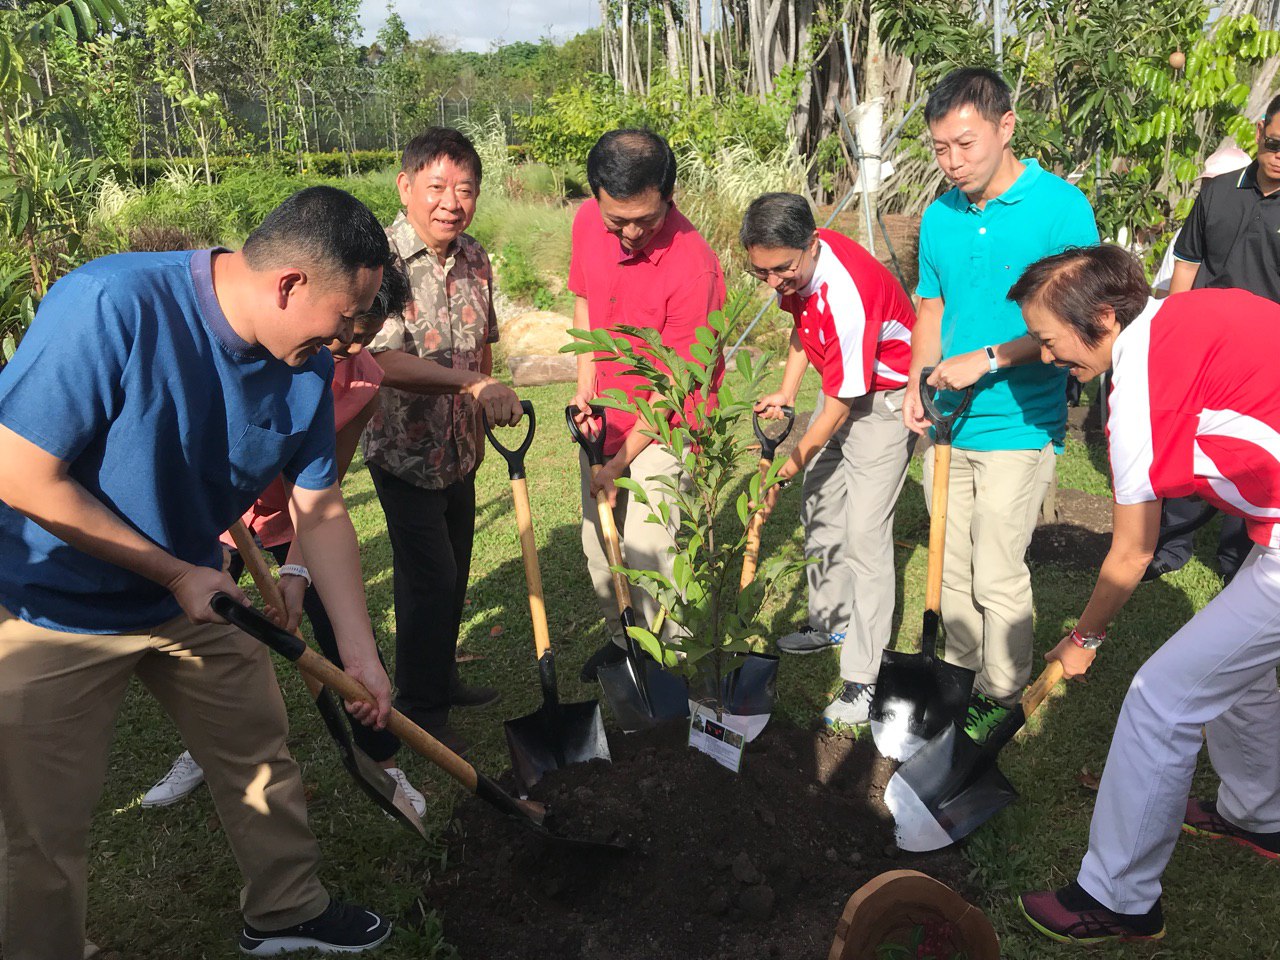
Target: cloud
{"x":478,"y":24}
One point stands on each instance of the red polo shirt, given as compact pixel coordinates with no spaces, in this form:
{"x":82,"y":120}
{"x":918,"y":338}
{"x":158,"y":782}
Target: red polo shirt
{"x":672,"y":286}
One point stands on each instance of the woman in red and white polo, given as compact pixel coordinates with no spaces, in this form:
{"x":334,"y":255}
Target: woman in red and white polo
{"x":1195,"y":409}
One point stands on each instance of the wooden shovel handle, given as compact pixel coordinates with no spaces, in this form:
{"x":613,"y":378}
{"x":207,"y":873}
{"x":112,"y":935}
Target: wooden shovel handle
{"x":1036,"y":693}
{"x":266,"y":584}
{"x":418,"y":740}
{"x":532,"y":570}
{"x":751,"y":557}
{"x":612,"y":544}
{"x":937,"y":526}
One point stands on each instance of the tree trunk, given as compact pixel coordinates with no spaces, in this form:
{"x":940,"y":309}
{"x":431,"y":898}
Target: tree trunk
{"x":673,"y":39}
{"x":626,"y":46}
{"x":695,"y":46}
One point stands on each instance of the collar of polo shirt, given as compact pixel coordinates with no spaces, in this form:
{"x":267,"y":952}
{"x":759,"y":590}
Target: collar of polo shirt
{"x":1018,"y":189}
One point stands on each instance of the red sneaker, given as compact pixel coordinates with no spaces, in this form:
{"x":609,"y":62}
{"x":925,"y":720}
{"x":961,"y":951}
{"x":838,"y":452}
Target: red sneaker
{"x":1070,"y":915}
{"x":1203,"y":820}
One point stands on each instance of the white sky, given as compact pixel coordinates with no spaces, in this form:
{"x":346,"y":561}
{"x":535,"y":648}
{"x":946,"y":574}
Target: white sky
{"x":477,"y":24}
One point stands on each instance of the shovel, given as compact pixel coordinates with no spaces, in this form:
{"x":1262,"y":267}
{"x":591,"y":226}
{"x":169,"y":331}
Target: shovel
{"x":370,"y":777}
{"x":951,"y":786}
{"x":917,"y":694}
{"x":527,"y":813}
{"x":751,"y":689}
{"x":639,"y":691}
{"x":556,"y":734}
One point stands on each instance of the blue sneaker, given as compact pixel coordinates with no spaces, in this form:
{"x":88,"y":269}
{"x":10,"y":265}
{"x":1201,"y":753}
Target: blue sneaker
{"x":809,"y":640}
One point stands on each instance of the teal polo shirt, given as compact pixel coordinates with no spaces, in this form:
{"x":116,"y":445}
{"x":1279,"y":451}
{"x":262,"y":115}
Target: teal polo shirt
{"x":970,"y":256}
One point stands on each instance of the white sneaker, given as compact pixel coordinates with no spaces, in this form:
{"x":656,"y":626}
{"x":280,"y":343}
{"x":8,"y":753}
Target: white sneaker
{"x":415,"y":797}
{"x":852,"y":707}
{"x":181,"y":780}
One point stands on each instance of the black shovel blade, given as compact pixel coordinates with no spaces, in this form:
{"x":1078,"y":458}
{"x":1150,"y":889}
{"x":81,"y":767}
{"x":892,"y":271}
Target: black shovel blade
{"x":949,"y":788}
{"x":752,"y":688}
{"x":917,"y":697}
{"x":554,"y":736}
{"x":642,"y":695}
{"x":373,"y":780}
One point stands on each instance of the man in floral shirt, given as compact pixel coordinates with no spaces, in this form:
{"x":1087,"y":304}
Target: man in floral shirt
{"x":423,"y":447}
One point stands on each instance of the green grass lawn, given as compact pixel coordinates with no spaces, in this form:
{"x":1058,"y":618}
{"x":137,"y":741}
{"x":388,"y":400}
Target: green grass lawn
{"x":164,"y":884}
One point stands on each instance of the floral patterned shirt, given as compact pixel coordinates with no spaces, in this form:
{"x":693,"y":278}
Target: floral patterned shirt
{"x":435,"y":441}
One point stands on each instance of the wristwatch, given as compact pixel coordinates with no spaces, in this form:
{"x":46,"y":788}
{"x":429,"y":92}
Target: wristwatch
{"x":991,"y":358}
{"x":1087,"y":641}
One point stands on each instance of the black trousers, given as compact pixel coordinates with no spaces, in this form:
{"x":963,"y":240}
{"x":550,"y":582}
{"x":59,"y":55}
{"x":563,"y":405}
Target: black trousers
{"x":431,"y":533}
{"x":1233,"y":540}
{"x":378,"y":745}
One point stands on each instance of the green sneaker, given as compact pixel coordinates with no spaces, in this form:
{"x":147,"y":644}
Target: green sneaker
{"x":984,"y":716}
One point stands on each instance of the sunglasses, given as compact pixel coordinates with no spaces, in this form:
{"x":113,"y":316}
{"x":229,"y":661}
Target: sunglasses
{"x":1271,"y":144}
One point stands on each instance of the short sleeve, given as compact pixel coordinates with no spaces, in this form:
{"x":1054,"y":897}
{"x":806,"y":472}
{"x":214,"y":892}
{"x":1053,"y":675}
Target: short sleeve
{"x":1191,"y":241}
{"x":65,"y":383}
{"x":1077,"y":227}
{"x":929,"y":285}
{"x":492,"y":335}
{"x":314,"y":466}
{"x":392,"y":336}
{"x":1129,"y":420}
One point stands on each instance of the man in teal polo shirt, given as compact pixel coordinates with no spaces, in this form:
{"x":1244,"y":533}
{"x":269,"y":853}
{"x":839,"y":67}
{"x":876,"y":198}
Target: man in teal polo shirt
{"x":975,"y":241}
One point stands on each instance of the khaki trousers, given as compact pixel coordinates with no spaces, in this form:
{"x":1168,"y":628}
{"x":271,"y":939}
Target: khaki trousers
{"x":993,"y":502}
{"x":850,"y":490}
{"x":645,"y":545}
{"x":59,"y":696}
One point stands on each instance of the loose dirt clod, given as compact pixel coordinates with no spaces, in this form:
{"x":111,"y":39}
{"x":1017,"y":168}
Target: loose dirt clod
{"x":707,"y":876}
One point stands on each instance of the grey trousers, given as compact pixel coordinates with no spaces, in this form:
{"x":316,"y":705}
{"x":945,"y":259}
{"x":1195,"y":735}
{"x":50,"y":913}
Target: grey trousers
{"x":850,"y":490}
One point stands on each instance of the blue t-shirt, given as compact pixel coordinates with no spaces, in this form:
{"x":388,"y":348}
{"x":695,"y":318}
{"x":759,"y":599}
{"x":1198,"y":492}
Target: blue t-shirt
{"x":970,"y":257}
{"x":133,"y":376}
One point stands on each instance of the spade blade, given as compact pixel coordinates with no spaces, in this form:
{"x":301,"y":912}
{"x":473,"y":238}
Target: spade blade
{"x":917,"y":696}
{"x":641,"y":694}
{"x":949,"y":788}
{"x":554,"y":736}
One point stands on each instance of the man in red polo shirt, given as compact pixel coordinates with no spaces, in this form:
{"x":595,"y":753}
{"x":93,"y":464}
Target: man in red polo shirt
{"x":853,"y":322}
{"x":637,"y":261}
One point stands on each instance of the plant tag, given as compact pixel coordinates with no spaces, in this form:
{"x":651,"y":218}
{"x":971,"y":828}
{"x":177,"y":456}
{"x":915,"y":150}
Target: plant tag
{"x":722,"y":740}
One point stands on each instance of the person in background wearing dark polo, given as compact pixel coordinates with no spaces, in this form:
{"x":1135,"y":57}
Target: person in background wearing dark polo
{"x":637,"y":261}
{"x":425,"y":443}
{"x":1231,"y":239}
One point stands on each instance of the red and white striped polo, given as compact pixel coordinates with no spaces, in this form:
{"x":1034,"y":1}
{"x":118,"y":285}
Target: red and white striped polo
{"x":1195,"y":406}
{"x":854,"y":320}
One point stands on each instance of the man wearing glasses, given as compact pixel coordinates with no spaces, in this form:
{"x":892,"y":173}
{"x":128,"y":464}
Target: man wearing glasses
{"x":853,"y":323}
{"x":1231,"y":239}
{"x":637,"y":261}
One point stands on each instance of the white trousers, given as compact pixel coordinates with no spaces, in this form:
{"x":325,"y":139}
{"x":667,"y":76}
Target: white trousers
{"x":1219,"y":672}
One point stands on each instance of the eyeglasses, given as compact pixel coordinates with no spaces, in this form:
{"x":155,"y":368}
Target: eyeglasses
{"x":1271,"y":144}
{"x":782,"y":273}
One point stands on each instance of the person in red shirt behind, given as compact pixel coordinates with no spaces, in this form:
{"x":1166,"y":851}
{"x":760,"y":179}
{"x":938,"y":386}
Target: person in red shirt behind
{"x":1194,"y":410}
{"x":356,"y":378}
{"x":637,"y":261}
{"x":853,"y":322}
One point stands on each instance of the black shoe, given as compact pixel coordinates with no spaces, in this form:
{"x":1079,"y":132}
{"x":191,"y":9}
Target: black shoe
{"x":461,"y":695}
{"x":610,"y":653}
{"x":451,"y":738}
{"x":1158,"y":568}
{"x":342,"y":928}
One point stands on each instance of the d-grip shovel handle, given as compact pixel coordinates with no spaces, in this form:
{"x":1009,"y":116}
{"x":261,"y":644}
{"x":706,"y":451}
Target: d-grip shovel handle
{"x":514,"y":458}
{"x":769,"y":445}
{"x":524,"y":522}
{"x":594,"y":446}
{"x":942,"y":423}
{"x":311,"y":663}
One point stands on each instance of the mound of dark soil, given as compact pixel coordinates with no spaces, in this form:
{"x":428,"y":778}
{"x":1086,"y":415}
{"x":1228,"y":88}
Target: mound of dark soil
{"x":754,"y":865}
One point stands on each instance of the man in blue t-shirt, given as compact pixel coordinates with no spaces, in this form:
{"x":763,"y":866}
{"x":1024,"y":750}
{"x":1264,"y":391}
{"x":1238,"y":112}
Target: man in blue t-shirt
{"x":975,"y":241}
{"x":154,"y":397}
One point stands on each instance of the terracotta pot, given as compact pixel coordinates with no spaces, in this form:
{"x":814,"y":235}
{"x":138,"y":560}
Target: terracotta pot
{"x":899,"y":907}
